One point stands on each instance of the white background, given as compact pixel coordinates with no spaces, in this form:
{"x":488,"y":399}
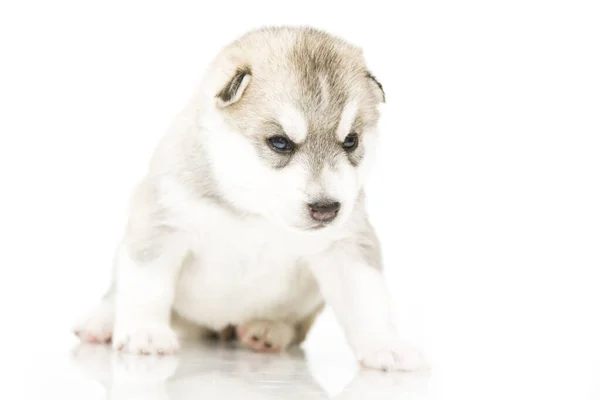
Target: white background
{"x":486,"y":195}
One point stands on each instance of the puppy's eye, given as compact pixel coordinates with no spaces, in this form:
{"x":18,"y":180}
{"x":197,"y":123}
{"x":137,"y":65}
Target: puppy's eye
{"x":350,"y":142}
{"x":281,"y":144}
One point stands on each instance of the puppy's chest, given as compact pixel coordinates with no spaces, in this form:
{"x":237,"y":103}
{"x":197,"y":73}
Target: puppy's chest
{"x":240,"y":269}
{"x":251,"y":244}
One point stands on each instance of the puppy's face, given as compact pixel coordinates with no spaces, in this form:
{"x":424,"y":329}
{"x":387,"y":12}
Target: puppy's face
{"x":297,"y":136}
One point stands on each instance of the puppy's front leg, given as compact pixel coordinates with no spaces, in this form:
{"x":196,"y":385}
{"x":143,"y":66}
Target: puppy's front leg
{"x":357,"y":293}
{"x":146,"y":277}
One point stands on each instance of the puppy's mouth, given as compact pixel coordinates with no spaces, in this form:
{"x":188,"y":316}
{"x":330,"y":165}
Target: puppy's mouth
{"x":316,"y":227}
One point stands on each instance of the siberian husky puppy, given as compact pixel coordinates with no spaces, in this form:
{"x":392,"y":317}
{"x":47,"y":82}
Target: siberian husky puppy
{"x":251,"y":217}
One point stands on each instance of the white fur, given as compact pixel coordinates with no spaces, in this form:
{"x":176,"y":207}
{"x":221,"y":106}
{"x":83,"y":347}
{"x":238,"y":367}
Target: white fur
{"x":357,"y":294}
{"x":144,"y":298}
{"x":242,"y":267}
{"x":293,"y":122}
{"x":348,"y":115}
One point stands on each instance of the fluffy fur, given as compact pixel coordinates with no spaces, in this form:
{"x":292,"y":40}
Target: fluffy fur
{"x":220,"y":233}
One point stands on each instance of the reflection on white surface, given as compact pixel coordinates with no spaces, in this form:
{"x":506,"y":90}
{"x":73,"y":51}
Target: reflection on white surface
{"x":209,"y":370}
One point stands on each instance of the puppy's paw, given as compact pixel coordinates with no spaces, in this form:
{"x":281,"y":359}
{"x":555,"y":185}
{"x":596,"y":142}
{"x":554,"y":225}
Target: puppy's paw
{"x":145,"y":338}
{"x":266,"y":336}
{"x":396,"y":357}
{"x":97,"y":327}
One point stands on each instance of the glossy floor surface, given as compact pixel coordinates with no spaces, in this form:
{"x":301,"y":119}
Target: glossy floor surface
{"x":224,"y":372}
{"x":463,"y":367}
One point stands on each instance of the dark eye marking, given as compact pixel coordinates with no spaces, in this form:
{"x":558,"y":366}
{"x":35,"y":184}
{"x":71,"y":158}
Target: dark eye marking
{"x":281,"y":144}
{"x":350,"y":142}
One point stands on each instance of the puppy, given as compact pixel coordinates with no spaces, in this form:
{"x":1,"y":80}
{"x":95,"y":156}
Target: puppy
{"x":252,"y":212}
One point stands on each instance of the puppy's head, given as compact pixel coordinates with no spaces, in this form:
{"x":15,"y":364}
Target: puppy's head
{"x":292,"y":125}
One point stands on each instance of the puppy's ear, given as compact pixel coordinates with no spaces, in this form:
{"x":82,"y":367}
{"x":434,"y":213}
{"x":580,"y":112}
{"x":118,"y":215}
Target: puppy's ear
{"x":378,"y":86}
{"x":234,"y":89}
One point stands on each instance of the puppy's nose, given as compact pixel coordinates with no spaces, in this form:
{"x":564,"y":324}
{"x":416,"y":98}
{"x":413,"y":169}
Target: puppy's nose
{"x":324,"y":211}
